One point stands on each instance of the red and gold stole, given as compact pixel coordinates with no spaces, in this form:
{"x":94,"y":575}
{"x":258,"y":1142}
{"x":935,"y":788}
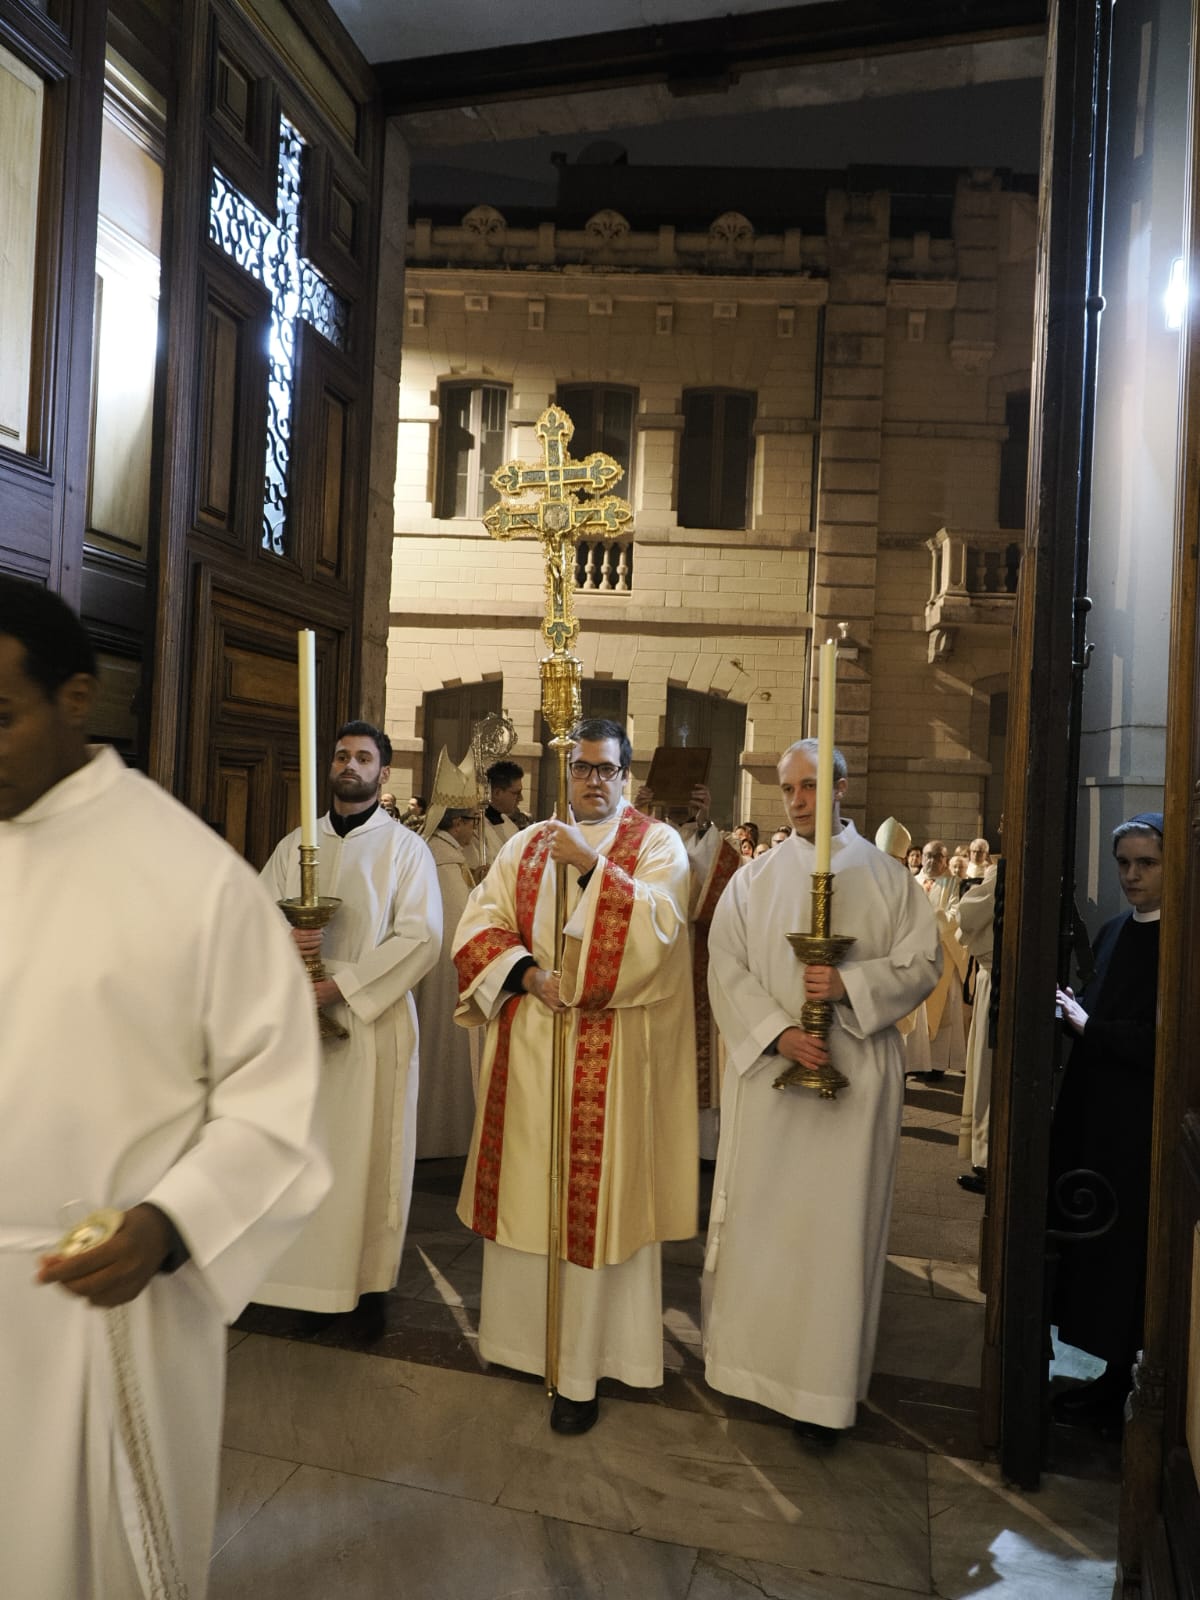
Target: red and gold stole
{"x":593,"y":1048}
{"x":722,"y":870}
{"x":471,"y":960}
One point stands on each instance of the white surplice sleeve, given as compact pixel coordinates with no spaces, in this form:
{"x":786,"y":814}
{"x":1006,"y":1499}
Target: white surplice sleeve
{"x":398,"y":963}
{"x":240,"y":1193}
{"x":883,"y":989}
{"x":749,"y":1017}
{"x":492,"y":907}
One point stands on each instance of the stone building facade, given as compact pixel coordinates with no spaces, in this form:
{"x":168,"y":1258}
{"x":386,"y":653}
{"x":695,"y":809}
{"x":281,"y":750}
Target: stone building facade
{"x":819,"y":428}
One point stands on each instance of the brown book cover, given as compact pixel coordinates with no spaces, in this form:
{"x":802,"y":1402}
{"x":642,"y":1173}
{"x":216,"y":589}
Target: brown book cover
{"x":675,"y":772}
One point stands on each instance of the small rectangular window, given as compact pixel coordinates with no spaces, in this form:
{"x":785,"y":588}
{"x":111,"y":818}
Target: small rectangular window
{"x":715,"y":457}
{"x":603,"y":418}
{"x":472,"y":444}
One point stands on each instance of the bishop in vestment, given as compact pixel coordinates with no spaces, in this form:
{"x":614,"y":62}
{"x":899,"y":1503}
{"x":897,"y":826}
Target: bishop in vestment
{"x":803,"y":1190}
{"x":383,"y":939}
{"x":160,"y":1058}
{"x":630,"y":1166}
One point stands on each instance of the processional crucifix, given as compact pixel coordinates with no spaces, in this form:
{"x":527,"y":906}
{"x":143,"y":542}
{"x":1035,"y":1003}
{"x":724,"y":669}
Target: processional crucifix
{"x":548,"y":505}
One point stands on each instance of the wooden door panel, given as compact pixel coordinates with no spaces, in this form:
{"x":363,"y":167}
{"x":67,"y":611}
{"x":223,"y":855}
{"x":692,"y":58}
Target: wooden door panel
{"x":245,"y":719}
{"x":243,"y":109}
{"x":232,"y":409}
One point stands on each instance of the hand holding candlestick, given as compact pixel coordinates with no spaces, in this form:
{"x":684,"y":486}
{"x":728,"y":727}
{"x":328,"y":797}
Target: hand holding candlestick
{"x":820,"y":949}
{"x":310,"y":911}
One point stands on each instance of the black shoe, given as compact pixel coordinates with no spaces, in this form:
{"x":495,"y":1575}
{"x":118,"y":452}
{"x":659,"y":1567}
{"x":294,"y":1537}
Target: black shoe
{"x":926,"y":1077}
{"x":813,"y":1433}
{"x":369,"y":1317}
{"x":972,"y":1182}
{"x":573,"y":1416}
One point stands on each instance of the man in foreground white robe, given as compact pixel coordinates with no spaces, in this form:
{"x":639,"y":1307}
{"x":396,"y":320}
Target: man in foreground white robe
{"x":630,"y":1164}
{"x":381,"y":942}
{"x":803,"y":1192}
{"x":159,"y":1057}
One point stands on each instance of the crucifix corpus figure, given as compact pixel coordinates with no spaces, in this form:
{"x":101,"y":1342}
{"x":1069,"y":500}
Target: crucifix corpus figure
{"x":588,"y":966}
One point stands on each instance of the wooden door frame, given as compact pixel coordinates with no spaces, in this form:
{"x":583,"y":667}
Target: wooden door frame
{"x":1160,"y":1506}
{"x":1036,"y":837}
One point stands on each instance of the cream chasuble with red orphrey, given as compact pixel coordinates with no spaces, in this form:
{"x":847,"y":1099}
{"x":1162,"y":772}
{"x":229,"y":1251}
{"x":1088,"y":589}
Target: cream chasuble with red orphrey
{"x":631,"y":1167}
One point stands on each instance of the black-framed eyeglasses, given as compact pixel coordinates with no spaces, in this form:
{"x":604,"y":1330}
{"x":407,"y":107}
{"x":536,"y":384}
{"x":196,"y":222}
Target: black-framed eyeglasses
{"x":604,"y":770}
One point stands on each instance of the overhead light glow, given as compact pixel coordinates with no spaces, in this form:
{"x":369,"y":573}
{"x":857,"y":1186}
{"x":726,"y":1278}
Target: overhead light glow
{"x":1176,"y":298}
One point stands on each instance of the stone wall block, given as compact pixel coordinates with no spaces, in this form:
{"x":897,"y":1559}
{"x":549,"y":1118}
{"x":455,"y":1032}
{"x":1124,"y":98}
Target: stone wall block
{"x":839,"y":411}
{"x":839,"y":474}
{"x":853,"y":318}
{"x":854,"y":382}
{"x":842,"y":603}
{"x":855,"y":508}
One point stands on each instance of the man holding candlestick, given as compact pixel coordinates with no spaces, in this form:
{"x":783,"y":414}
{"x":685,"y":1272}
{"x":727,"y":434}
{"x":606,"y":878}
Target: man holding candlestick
{"x":803,"y":1190}
{"x":383,"y":939}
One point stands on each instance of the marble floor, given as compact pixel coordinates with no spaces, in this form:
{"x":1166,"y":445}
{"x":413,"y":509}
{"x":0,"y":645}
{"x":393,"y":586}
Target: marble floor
{"x":405,"y":1468}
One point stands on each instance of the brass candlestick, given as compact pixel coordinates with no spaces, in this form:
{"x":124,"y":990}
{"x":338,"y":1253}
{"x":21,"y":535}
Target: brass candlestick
{"x":818,"y":948}
{"x":312,"y":910}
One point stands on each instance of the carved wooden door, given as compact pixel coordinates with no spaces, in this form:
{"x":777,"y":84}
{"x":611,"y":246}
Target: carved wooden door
{"x":272,"y":176}
{"x":1036,"y":838}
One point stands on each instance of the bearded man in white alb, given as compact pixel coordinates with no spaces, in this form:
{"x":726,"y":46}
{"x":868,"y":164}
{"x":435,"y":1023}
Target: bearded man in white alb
{"x":803,"y":1191}
{"x":159,"y":1061}
{"x":383,"y":939}
{"x":630,"y":1164}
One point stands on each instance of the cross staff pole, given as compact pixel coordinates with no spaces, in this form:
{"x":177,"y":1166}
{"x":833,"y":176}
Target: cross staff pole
{"x":548,"y":505}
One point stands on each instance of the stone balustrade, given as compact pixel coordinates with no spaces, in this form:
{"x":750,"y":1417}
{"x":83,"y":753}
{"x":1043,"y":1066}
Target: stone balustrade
{"x":604,"y":566}
{"x":973,"y":583}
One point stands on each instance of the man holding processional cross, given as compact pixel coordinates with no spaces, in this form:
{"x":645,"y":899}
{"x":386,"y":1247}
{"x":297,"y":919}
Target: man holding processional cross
{"x":802,"y":1195}
{"x":574,"y":954}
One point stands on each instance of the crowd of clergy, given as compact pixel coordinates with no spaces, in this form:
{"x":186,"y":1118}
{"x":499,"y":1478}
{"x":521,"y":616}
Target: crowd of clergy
{"x":251,"y":1093}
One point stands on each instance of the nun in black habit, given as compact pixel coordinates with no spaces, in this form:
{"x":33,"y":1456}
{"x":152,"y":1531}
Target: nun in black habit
{"x":1102,"y":1124}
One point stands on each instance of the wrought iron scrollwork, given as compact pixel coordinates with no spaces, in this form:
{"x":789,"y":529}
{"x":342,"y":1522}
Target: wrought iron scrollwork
{"x":269,"y":250}
{"x":1086,"y":1202}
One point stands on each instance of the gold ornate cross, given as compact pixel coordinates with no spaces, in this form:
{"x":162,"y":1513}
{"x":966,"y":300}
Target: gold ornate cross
{"x":558,"y":516}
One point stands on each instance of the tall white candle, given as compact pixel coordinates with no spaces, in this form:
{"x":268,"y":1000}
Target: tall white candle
{"x":825,"y":703}
{"x":307,"y":642}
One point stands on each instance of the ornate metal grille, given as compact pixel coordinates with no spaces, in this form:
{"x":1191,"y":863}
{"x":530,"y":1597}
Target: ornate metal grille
{"x":269,"y":250}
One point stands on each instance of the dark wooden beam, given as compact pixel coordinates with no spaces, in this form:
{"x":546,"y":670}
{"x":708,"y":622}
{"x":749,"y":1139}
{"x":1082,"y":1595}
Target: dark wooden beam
{"x":698,"y":57}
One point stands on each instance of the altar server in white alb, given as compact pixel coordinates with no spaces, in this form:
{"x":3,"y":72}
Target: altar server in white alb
{"x":630,"y":1163}
{"x":803,"y":1190}
{"x":159,"y":1060}
{"x":446,"y":1104}
{"x":382,"y":940}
